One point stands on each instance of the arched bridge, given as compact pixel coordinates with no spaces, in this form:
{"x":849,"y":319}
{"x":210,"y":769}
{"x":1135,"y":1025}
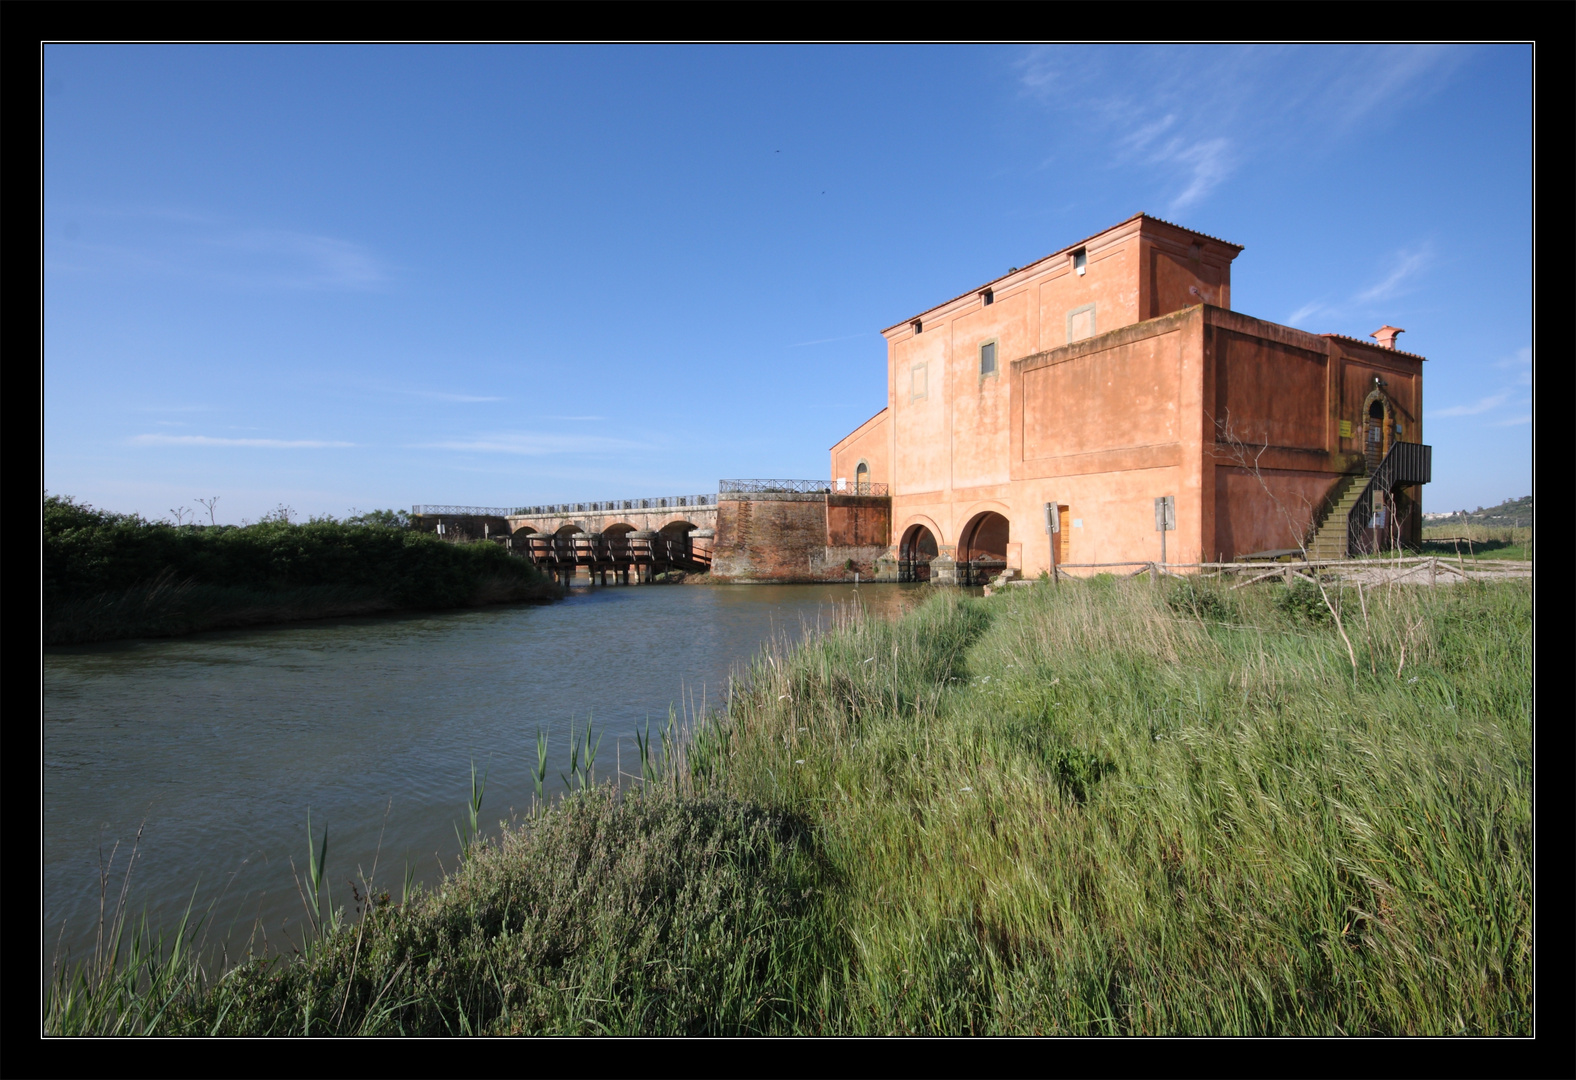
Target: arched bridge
{"x":617,"y":538}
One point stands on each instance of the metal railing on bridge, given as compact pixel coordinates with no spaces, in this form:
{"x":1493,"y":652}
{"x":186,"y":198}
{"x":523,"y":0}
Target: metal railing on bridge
{"x":664,"y":502}
{"x":429,"y":509}
{"x":800,"y":487}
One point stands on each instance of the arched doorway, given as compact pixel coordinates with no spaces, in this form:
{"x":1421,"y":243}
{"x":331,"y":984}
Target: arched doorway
{"x":1377,"y":426}
{"x":914,"y":553}
{"x":982,"y":549}
{"x":862,"y":479}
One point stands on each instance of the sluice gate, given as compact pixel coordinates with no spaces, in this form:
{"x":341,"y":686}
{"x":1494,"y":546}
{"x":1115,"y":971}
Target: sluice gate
{"x":642,"y":552}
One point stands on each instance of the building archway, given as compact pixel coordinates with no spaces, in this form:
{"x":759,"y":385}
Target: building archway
{"x":914,"y":553}
{"x":984,"y":537}
{"x":568,"y":530}
{"x":862,"y":478}
{"x":982,"y":548}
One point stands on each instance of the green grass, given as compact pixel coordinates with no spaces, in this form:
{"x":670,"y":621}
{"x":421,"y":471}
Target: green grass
{"x":1107,"y":807}
{"x":1474,"y":541}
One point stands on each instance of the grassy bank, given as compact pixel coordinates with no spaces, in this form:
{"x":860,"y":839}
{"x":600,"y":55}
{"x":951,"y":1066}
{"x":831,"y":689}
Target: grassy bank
{"x":1099,"y":808}
{"x":115,"y":576}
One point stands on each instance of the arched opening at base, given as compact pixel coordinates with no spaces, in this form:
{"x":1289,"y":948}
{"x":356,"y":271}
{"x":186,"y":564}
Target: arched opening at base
{"x":914,"y":553}
{"x":982,"y":549}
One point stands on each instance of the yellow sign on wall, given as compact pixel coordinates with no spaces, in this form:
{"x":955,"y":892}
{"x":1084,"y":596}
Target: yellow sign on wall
{"x":1346,"y":429}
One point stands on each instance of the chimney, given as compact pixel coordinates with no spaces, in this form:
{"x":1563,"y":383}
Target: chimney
{"x":1386,"y":335}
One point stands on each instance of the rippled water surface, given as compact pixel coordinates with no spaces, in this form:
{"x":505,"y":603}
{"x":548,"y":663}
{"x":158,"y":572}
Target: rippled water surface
{"x":217,"y":745}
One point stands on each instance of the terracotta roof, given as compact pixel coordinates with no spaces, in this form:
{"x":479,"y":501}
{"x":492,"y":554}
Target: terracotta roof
{"x":1374,"y":345}
{"x":1061,"y":251}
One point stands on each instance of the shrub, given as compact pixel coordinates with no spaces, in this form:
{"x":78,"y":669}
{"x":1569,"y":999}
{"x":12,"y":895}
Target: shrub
{"x":1303,"y":602}
{"x":1200,"y":601}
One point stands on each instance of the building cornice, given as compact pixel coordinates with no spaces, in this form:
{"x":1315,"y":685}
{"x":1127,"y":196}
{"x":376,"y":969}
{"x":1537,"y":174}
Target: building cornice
{"x":1022,"y":273}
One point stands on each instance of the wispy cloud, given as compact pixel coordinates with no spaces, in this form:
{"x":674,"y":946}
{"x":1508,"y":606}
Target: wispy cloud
{"x":437,"y":395}
{"x":160,"y":439}
{"x":176,"y":243}
{"x":1515,"y":421}
{"x":1404,"y":266}
{"x":1482,"y":405}
{"x":536,"y":445}
{"x":1308,"y":310}
{"x":575,"y":418}
{"x":1521,"y":363}
{"x":1193,"y":115}
{"x":824,"y":341}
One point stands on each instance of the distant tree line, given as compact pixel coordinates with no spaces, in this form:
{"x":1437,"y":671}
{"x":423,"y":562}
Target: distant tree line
{"x":95,"y":561}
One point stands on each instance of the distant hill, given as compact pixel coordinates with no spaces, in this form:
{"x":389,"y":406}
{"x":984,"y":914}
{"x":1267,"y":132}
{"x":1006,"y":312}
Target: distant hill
{"x":1512,"y":513}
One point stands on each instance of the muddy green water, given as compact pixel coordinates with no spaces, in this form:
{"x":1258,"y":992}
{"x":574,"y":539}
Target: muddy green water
{"x":217,"y":745}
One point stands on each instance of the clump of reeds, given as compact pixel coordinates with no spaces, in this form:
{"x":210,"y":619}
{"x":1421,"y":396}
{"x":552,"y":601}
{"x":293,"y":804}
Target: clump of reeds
{"x":1098,"y":813}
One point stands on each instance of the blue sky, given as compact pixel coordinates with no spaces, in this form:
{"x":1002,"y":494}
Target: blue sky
{"x":357,"y":277}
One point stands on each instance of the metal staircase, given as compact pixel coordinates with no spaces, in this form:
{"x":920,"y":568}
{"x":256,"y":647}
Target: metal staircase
{"x":1345,"y":531}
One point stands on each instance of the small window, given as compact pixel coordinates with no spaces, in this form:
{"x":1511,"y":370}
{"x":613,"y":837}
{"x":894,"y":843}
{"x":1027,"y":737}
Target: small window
{"x":988,"y":358}
{"x":862,"y":479}
{"x":918,"y":327}
{"x":987,"y":297}
{"x":1081,"y":262}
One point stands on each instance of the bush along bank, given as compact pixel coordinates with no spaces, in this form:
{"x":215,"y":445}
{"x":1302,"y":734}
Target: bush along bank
{"x":115,"y":575}
{"x":1101,"y":808}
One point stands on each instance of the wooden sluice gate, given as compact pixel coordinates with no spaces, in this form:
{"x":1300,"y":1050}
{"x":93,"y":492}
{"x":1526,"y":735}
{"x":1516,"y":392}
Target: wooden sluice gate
{"x":642,"y":552}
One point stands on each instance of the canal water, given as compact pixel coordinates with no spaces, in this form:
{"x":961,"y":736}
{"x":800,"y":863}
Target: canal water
{"x":218,"y":745}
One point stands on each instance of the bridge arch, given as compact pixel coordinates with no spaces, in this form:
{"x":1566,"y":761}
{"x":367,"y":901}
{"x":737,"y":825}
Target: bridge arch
{"x":524,"y":529}
{"x":678,"y":528}
{"x":568,"y":529}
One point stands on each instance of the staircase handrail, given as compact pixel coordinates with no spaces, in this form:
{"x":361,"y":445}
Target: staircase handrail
{"x":1405,"y":463}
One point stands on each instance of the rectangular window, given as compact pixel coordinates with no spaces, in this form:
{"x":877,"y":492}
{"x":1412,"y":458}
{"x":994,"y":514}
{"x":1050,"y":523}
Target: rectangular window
{"x":988,"y":297}
{"x":917,"y":384}
{"x":988,"y":358}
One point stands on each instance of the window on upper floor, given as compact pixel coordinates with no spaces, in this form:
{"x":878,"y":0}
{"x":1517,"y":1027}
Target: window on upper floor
{"x":917,"y":326}
{"x":988,"y":358}
{"x":1081,"y":262}
{"x":987,"y":297}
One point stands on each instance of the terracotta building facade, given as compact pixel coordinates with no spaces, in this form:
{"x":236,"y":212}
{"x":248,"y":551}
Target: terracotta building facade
{"x":1112,"y":373}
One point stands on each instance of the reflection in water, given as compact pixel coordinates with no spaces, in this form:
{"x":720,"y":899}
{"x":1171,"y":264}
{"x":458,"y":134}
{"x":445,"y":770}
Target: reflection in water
{"x":221,"y":742}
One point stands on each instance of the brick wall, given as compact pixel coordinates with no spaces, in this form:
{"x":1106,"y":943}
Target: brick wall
{"x":784,"y":537}
{"x":858,"y":521}
{"x":769,"y":539}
